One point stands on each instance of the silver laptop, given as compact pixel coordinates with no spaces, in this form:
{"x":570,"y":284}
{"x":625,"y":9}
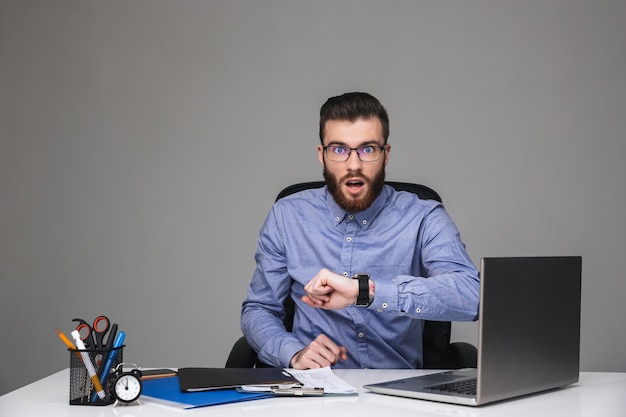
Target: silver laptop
{"x":529,"y":335}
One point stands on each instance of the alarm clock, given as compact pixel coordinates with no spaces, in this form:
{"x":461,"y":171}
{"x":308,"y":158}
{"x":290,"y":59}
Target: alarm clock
{"x":127,"y":385}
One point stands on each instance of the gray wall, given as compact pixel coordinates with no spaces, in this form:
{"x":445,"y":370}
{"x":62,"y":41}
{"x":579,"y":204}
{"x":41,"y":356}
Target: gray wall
{"x":142,"y":144}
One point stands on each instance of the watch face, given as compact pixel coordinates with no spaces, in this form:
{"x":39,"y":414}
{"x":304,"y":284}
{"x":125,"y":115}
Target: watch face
{"x":127,"y":388}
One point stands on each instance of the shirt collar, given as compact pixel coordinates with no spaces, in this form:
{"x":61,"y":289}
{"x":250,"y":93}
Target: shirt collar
{"x":363,"y":218}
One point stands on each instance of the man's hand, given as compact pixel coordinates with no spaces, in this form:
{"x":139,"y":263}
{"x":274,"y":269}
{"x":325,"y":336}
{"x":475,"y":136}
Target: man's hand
{"x":320,"y":353}
{"x":330,"y":291}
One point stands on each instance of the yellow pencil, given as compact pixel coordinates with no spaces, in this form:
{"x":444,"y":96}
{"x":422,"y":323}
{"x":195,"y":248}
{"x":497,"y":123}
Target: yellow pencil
{"x":67,"y":342}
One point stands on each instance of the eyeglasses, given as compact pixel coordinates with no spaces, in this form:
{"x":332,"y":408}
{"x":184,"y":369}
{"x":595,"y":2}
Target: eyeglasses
{"x":368,"y":153}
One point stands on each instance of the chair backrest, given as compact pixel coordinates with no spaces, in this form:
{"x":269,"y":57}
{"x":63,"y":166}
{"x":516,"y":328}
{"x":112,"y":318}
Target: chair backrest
{"x":424,"y":192}
{"x":436,"y":334}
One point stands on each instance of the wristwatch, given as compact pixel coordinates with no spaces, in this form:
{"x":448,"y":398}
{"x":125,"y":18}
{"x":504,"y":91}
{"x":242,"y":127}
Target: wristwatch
{"x":364,"y":299}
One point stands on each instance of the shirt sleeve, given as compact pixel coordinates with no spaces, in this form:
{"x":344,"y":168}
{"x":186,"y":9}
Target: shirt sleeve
{"x":263,"y":312}
{"x":449,"y":287}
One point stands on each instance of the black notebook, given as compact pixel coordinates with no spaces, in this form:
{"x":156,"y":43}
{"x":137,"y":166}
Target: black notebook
{"x":204,"y":379}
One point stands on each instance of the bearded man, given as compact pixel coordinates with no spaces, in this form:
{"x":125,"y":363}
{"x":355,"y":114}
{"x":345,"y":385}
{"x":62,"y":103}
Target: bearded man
{"x":365,"y":264}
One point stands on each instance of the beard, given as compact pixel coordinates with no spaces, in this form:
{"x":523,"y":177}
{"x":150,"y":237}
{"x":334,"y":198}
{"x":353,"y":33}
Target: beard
{"x":353,"y":204}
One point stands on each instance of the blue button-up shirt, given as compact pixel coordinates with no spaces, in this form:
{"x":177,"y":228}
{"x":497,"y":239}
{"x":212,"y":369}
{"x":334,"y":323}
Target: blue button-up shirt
{"x":412,"y":251}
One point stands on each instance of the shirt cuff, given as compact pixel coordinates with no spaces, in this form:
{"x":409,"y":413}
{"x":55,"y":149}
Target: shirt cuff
{"x":385,"y":296}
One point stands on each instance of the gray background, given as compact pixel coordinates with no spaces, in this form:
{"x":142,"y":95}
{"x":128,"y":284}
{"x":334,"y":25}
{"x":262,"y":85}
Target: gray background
{"x":143,"y":142}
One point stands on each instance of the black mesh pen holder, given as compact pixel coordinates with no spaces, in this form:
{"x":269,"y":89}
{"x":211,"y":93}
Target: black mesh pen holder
{"x":90,"y":370}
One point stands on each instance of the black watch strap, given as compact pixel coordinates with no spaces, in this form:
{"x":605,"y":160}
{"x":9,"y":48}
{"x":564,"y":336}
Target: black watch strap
{"x":363,"y":299}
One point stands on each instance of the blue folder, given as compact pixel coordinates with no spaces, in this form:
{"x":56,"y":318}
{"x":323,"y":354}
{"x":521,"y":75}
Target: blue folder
{"x":167,"y":390}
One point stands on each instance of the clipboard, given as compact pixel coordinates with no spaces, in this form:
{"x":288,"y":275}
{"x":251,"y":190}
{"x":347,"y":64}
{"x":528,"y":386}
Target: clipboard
{"x":206,"y":379}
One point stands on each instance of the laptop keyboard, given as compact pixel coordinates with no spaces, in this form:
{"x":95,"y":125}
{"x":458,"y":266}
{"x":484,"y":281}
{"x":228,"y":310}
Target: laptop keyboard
{"x":466,"y":387}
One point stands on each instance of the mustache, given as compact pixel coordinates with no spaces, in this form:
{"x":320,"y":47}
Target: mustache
{"x":353,"y":174}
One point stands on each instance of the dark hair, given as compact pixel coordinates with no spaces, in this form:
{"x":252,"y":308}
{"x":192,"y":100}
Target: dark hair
{"x":353,"y":106}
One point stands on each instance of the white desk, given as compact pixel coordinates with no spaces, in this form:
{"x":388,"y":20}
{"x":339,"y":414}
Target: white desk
{"x":596,"y":395}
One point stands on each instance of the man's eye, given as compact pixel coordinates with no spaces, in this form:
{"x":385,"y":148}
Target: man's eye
{"x":367,"y":149}
{"x":339,"y":150}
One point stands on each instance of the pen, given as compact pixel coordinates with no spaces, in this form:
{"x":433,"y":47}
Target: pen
{"x":88,"y":364}
{"x":117,"y":344}
{"x":112,"y":335}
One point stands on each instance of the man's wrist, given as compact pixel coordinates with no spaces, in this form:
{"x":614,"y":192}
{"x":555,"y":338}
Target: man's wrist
{"x":366,"y":292}
{"x":294,"y":359}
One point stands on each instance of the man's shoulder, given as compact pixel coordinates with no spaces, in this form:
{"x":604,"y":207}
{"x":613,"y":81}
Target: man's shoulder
{"x":302,"y":201}
{"x":408,"y":200}
{"x":304,"y":195}
{"x":404,"y":207}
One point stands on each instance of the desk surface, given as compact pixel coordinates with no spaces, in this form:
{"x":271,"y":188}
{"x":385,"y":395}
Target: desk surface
{"x":596,"y":394}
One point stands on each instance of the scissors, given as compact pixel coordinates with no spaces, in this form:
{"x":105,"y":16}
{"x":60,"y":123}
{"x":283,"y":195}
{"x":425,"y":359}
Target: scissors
{"x":93,"y":336}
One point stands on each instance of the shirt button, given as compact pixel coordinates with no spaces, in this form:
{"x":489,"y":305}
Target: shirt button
{"x":361,"y":334}
{"x":384,"y":305}
{"x":349,"y":239}
{"x":364,"y":222}
{"x":345,"y":274}
{"x":418,"y":310}
{"x":337,"y":219}
{"x":351,"y":217}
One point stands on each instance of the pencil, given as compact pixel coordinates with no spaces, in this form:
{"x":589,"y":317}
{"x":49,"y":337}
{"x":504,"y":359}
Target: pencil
{"x":67,"y":342}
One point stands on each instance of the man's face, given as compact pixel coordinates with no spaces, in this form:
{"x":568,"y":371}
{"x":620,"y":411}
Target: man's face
{"x":354,"y":184}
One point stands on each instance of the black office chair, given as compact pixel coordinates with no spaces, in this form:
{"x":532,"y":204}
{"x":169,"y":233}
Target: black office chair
{"x":439,"y":353}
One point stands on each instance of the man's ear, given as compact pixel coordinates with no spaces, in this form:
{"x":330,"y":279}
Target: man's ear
{"x":387,"y":150}
{"x":320,"y":154}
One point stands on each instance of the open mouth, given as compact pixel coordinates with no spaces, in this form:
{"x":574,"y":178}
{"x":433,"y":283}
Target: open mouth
{"x":355,"y":185}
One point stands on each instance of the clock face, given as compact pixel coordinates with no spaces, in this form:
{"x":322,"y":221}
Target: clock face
{"x":127,"y":388}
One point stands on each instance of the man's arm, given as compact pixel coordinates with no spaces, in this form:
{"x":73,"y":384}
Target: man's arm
{"x":263,"y":311}
{"x":449,"y":291}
